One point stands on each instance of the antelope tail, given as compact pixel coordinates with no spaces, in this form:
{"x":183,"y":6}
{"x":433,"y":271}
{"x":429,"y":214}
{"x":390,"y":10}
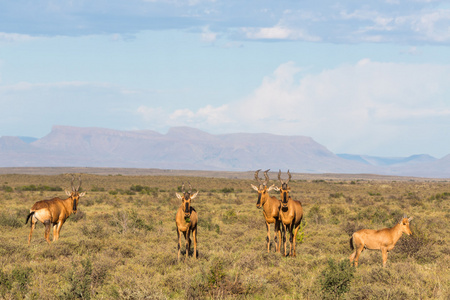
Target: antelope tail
{"x":28,"y":217}
{"x":351,"y":243}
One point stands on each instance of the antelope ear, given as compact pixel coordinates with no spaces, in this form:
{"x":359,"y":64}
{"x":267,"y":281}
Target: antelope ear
{"x":179,"y":196}
{"x":68,"y":193}
{"x":254,"y":187}
{"x":410,"y":219}
{"x":82,"y":194}
{"x":195,"y":195}
{"x":273,"y":187}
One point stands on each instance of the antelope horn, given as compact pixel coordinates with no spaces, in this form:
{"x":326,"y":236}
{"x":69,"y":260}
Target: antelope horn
{"x":279,"y":176}
{"x":79,"y":185}
{"x":266,"y":176}
{"x":182,"y":187}
{"x":289,"y":177}
{"x":71,"y":183}
{"x":190,"y":188}
{"x":256,"y":176}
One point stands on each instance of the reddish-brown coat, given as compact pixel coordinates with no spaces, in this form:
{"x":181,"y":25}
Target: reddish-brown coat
{"x":383,"y":239}
{"x":186,"y":220}
{"x":271,"y":209}
{"x":53,"y":213}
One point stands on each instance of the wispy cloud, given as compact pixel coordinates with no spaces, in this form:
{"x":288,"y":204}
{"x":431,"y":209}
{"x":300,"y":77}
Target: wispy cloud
{"x":15,"y":37}
{"x":278,"y":32}
{"x":346,"y":22}
{"x":208,"y":36}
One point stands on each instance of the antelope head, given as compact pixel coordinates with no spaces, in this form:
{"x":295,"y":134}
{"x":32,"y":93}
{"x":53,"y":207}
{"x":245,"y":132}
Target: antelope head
{"x":262,"y":189}
{"x":284,"y":189}
{"x":75,"y":194}
{"x":186,"y":198}
{"x":404,"y":223}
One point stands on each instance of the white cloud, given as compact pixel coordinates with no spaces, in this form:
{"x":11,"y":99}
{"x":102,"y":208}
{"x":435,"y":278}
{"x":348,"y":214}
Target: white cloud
{"x":208,"y":118}
{"x":207,"y":35}
{"x":15,"y":37}
{"x":205,"y":117}
{"x":368,"y":107}
{"x":278,"y":32}
{"x":361,"y":106}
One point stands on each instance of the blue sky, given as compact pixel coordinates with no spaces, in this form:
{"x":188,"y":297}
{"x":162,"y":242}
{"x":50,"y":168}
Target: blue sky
{"x":366,"y":77}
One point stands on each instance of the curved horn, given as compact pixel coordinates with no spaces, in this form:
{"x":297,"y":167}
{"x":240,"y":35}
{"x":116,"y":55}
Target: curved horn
{"x":190,"y":187}
{"x":182,"y":187}
{"x":266,"y":176}
{"x":79,"y":185}
{"x":279,"y":176}
{"x":289,"y":177}
{"x":71,"y":184}
{"x":257,"y":177}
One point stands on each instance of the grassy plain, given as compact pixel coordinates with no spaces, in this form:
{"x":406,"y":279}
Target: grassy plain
{"x":122,"y":243}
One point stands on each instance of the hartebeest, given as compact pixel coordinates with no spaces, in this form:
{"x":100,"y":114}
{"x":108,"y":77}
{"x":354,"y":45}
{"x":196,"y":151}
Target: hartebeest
{"x":186,"y":220}
{"x":271,"y":208}
{"x":291,"y":214}
{"x":383,"y":239}
{"x":54,"y":212}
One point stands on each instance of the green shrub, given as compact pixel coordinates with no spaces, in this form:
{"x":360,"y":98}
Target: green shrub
{"x":22,"y":276}
{"x":97,"y":189}
{"x":5,"y":283}
{"x":6,"y":188}
{"x":94,"y":231}
{"x":418,"y":246}
{"x":216,"y":274}
{"x":316,"y":214}
{"x":39,"y":188}
{"x":145,"y":190}
{"x":301,"y":232}
{"x":336,"y":278}
{"x":80,"y":215}
{"x":10,"y":220}
{"x":229,"y":216}
{"x":79,"y":281}
{"x":336,"y":195}
{"x":227,"y":190}
{"x":114,"y":192}
{"x":127,"y":221}
{"x":19,"y":278}
{"x":138,"y":222}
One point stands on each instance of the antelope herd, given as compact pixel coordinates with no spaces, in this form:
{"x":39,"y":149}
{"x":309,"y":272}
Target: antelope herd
{"x":286,"y":215}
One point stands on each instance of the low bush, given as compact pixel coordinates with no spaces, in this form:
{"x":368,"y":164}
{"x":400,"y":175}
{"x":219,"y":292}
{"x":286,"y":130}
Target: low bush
{"x":16,"y":282}
{"x":336,"y":278}
{"x":9,"y":219}
{"x":39,"y":188}
{"x":78,"y":281}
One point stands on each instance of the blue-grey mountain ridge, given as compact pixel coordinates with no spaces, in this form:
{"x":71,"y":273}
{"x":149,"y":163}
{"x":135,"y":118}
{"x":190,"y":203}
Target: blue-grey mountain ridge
{"x":185,"y":148}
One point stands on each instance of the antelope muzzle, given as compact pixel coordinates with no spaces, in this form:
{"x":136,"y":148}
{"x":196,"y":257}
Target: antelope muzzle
{"x":284,"y":198}
{"x":258,"y":203}
{"x":74,"y":205}
{"x":187,"y":210}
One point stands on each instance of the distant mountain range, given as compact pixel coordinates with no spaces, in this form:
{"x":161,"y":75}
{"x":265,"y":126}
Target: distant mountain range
{"x":185,"y":148}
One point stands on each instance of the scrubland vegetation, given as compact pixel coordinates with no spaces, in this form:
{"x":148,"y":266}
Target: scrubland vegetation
{"x":122,"y":243}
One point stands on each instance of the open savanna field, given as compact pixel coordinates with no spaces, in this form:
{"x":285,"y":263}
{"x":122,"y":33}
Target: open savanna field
{"x":122,"y":243}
